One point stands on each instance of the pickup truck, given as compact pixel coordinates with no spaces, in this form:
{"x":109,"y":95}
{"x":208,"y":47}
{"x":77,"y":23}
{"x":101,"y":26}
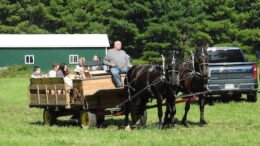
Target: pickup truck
{"x":231,"y":75}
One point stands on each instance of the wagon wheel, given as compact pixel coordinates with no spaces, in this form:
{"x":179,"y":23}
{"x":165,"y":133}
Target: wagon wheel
{"x":49,"y":117}
{"x":87,"y":120}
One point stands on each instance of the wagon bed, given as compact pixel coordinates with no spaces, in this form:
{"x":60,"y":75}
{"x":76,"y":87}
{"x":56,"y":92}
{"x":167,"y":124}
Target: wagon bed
{"x":90,"y":98}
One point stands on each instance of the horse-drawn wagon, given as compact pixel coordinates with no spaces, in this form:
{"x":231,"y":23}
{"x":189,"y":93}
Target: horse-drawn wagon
{"x":92,"y":98}
{"x":89,"y":99}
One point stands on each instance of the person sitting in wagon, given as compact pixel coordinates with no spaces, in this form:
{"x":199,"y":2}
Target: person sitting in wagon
{"x":53,"y":73}
{"x":97,"y":64}
{"x":36,"y":72}
{"x":64,"y":72}
{"x":118,"y":61}
{"x":80,"y":69}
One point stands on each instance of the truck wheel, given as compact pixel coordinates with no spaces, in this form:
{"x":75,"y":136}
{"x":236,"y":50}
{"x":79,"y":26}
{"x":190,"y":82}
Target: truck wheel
{"x":87,"y":120}
{"x":252,"y":97}
{"x":49,"y":117}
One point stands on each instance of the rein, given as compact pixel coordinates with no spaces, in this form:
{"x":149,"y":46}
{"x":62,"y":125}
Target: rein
{"x":154,"y":82}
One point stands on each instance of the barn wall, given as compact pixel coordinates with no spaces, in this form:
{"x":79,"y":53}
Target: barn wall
{"x":45,"y":57}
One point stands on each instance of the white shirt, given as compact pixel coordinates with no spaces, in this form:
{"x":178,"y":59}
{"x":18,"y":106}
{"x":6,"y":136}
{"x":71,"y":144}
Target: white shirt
{"x":79,"y":69}
{"x":34,"y":75}
{"x":52,"y":73}
{"x":68,"y":81}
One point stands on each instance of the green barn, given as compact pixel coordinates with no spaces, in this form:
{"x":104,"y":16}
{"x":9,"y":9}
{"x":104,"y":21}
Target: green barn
{"x":45,"y":49}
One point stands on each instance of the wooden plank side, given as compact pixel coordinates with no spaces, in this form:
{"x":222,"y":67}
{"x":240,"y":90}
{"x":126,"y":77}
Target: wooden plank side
{"x":106,"y":98}
{"x":92,"y":86}
{"x":57,"y":80}
{"x":33,"y":87}
{"x":111,"y":98}
{"x":52,"y":100}
{"x":35,"y":81}
{"x":48,"y":91}
{"x":60,"y":86}
{"x":34,"y":99}
{"x":61,"y":99}
{"x":43,"y":99}
{"x":46,"y":80}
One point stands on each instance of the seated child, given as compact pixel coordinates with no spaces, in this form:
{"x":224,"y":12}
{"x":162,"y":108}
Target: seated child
{"x":36,"y":72}
{"x":79,"y":70}
{"x":53,"y":72}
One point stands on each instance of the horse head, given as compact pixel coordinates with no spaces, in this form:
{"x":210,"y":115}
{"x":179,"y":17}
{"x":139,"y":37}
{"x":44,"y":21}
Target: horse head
{"x":201,"y":63}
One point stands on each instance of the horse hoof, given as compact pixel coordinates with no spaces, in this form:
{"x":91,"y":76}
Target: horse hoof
{"x":166,"y":126}
{"x":160,"y":126}
{"x":203,"y":123}
{"x":128,"y":128}
{"x":184,"y":123}
{"x":173,"y":124}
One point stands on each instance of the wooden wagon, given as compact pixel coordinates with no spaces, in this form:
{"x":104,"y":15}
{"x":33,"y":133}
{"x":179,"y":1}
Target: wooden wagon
{"x":89,"y":99}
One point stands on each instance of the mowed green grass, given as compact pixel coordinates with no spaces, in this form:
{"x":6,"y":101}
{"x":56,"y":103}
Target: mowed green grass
{"x":235,"y":123}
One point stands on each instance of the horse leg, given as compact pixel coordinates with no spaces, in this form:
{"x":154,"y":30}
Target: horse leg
{"x":184,"y":118}
{"x":202,"y":107}
{"x":160,"y":112}
{"x":141,"y":112}
{"x":170,"y":112}
{"x":135,"y":110}
{"x":172,"y":106}
{"x":173,"y":110}
{"x":166,"y":115}
{"x":127,"y":114}
{"x":127,"y":111}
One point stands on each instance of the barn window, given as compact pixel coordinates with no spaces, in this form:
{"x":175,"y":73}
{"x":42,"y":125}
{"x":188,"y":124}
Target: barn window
{"x":29,"y":59}
{"x":73,"y":59}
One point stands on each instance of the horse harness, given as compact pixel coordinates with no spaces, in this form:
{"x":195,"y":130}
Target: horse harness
{"x":148,"y":84}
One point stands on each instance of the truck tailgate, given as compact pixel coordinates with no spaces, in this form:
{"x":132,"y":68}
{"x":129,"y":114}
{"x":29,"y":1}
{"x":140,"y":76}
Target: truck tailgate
{"x":232,"y":76}
{"x":231,"y":70}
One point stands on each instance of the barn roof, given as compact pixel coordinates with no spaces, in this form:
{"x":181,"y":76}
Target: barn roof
{"x":53,"y":40}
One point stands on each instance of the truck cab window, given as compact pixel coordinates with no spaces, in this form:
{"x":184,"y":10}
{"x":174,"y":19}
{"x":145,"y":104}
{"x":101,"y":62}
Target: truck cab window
{"x":218,"y":56}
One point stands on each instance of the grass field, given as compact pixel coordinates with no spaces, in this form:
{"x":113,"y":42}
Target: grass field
{"x":235,"y":123}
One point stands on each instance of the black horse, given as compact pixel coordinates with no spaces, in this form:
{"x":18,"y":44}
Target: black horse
{"x":193,"y":78}
{"x":151,"y":82}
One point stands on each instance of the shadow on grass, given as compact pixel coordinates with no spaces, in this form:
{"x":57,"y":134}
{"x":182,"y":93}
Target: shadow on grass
{"x":221,"y":99}
{"x":59,"y":123}
{"x":227,"y":99}
{"x":119,"y":123}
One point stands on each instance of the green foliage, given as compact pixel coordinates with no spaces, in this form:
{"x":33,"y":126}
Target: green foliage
{"x":152,"y":57}
{"x":16,"y":71}
{"x":251,"y":57}
{"x":141,"y":25}
{"x":139,"y":61}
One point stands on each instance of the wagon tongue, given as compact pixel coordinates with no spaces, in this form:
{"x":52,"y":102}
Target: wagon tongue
{"x":116,"y":109}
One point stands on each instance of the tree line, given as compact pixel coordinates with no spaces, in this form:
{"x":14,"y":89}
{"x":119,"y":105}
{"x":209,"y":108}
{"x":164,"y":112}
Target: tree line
{"x":146,"y":28}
